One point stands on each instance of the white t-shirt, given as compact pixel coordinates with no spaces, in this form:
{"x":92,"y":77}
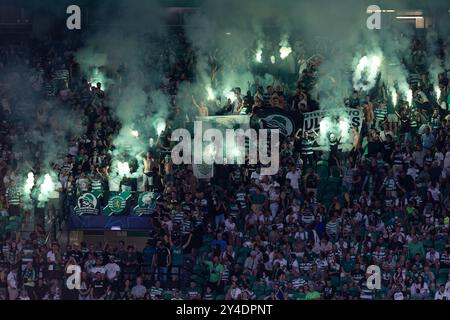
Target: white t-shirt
{"x":441,"y":296}
{"x":229,"y":225}
{"x":12,"y":280}
{"x":100,"y":269}
{"x":51,"y":258}
{"x":255,"y":175}
{"x":294,"y":177}
{"x":399,"y":296}
{"x":235,"y":293}
{"x":111,"y":270}
{"x":435,"y":193}
{"x":447,"y":160}
{"x":432,"y":257}
{"x":55,"y":193}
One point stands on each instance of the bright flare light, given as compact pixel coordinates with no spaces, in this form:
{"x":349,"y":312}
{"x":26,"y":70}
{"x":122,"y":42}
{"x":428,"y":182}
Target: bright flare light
{"x":285,"y":48}
{"x":48,"y":185}
{"x":394,"y":97}
{"x":160,"y":127}
{"x":409,"y":96}
{"x":29,"y":183}
{"x":123,"y":168}
{"x":46,"y":188}
{"x":285,"y":52}
{"x":272,"y":59}
{"x":367,"y":71}
{"x":258,"y":57}
{"x":135,"y":133}
{"x":437,"y":90}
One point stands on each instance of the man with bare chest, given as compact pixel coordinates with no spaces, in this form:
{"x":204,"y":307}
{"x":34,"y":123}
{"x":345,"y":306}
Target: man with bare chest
{"x":149,"y":164}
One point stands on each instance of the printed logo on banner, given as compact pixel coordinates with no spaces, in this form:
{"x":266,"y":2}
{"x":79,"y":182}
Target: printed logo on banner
{"x":274,"y":118}
{"x":146,"y":204}
{"x":87,"y":205}
{"x":117,"y":204}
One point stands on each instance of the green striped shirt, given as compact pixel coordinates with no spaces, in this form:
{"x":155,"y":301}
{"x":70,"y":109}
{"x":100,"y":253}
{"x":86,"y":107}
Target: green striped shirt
{"x":97,"y":185}
{"x":13,"y":196}
{"x":381,"y":113}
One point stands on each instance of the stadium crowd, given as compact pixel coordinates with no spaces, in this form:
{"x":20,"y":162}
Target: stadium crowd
{"x":309,"y":232}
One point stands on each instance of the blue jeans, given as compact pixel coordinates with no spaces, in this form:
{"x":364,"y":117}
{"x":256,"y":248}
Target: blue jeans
{"x":162,"y":274}
{"x":219,"y":220}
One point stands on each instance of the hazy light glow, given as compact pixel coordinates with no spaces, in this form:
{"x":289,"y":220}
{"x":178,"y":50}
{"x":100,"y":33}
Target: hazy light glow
{"x":325,"y":125}
{"x":273,"y":59}
{"x":229,"y":94}
{"x":344,"y":128}
{"x":344,"y":125}
{"x":160,"y":126}
{"x":96,"y":77}
{"x":210,"y":93}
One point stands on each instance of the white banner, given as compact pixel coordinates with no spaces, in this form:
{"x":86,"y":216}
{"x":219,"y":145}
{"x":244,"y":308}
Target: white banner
{"x":353,"y":117}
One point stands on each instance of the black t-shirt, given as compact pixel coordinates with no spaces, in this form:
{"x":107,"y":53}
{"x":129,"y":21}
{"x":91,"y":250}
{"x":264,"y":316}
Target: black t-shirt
{"x":99,"y":288}
{"x":77,"y":254}
{"x":161,"y":256}
{"x":373,"y":147}
{"x":329,"y":292}
{"x":311,"y":181}
{"x":404,"y":124}
{"x":40,"y":291}
{"x":406,"y":183}
{"x":388,"y":148}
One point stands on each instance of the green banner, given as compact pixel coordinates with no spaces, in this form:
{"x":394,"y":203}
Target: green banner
{"x":117,"y":203}
{"x":88,"y":204}
{"x":146,"y":204}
